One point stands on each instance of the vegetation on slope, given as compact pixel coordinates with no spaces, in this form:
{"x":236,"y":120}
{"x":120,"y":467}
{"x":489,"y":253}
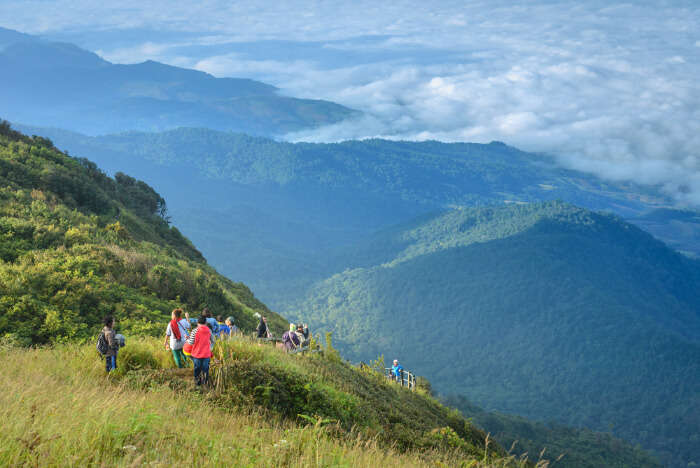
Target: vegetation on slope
{"x":571,"y":447}
{"x":78,"y":245}
{"x":544,"y":310}
{"x":70,"y":412}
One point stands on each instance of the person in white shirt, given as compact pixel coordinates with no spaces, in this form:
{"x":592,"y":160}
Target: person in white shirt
{"x":175,"y":336}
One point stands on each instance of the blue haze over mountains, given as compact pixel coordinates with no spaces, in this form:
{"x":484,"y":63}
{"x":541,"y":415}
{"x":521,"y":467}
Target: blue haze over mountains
{"x":76,"y":89}
{"x":310,"y":226}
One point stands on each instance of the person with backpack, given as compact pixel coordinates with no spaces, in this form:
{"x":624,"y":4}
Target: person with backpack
{"x":176,"y":333}
{"x":289,"y":339}
{"x":108,"y":345}
{"x":202,"y":341}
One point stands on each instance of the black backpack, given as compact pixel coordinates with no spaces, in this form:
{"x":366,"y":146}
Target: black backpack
{"x":102,"y":346}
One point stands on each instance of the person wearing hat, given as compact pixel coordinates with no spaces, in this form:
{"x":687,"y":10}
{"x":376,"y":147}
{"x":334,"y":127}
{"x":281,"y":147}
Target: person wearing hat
{"x":290,"y":341}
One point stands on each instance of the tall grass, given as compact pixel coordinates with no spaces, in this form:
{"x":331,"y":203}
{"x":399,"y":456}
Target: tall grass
{"x":59,"y":409}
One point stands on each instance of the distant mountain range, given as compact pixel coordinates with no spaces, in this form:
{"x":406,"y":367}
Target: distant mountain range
{"x":544,"y":310}
{"x":61,"y":85}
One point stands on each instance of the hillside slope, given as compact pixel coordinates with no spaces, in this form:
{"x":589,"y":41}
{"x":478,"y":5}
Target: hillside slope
{"x":536,"y":310}
{"x":58,"y":84}
{"x":78,"y":245}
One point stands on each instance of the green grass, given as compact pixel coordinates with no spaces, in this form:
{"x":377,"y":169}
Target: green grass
{"x":60,"y":409}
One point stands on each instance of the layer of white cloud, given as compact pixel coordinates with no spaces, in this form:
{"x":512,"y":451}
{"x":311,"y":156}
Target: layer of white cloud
{"x":609,"y":87}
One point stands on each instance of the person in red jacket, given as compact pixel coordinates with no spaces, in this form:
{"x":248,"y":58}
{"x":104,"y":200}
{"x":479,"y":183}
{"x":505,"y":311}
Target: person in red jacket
{"x":202,"y":341}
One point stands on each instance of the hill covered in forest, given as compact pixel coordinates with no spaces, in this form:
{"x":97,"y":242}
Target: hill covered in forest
{"x":78,"y":245}
{"x":271,"y":213}
{"x":59,"y":84}
{"x":545,"y":310}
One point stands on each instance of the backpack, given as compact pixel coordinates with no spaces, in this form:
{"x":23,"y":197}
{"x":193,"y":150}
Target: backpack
{"x":102,"y":346}
{"x":121,"y":340}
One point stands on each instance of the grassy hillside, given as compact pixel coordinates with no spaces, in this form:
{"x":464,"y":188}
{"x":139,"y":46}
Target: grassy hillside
{"x":265,"y":409}
{"x":544,"y":310}
{"x":58,"y":84}
{"x":78,"y":245}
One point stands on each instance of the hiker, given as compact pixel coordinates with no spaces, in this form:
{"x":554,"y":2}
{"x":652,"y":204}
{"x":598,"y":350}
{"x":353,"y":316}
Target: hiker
{"x":202,"y":341}
{"x":263,"y":330}
{"x":224,"y":329}
{"x":176,"y":332}
{"x":231,"y":326}
{"x":112,"y":344}
{"x":306,"y":332}
{"x":211,"y":321}
{"x":397,"y":371}
{"x":300,"y":336}
{"x":290,"y":340}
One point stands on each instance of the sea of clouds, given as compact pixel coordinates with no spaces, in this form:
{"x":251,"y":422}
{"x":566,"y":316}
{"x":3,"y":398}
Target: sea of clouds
{"x":607,"y":87}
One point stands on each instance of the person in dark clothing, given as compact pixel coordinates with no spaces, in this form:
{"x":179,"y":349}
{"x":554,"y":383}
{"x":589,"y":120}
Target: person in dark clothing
{"x":112,"y":344}
{"x":289,"y":339}
{"x":263,"y":331}
{"x":306,"y":332}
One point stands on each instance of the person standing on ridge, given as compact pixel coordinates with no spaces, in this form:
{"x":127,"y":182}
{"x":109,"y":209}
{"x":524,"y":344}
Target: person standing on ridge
{"x":176,"y":332}
{"x":397,"y":371}
{"x":224,"y":329}
{"x":112,"y":344}
{"x":231,"y":326}
{"x":202,"y":341}
{"x":263,"y":331}
{"x":211,"y":321}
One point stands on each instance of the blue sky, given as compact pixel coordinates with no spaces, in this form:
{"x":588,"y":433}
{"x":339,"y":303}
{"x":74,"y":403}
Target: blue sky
{"x":608,"y":87}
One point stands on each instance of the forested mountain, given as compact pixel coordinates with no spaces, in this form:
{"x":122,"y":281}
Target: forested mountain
{"x":59,"y":84}
{"x":77,"y":245}
{"x":566,"y":446}
{"x":273,"y":213}
{"x":543,"y":310}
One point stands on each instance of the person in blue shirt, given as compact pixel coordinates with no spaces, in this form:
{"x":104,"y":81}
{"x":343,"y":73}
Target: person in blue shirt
{"x":397,"y":371}
{"x":211,"y":322}
{"x":224,"y":329}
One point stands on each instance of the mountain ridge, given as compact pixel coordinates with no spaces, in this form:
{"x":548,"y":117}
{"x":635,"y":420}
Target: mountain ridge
{"x":60,"y":84}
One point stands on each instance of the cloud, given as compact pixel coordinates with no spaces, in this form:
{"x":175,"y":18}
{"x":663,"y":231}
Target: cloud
{"x":608,"y":88}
